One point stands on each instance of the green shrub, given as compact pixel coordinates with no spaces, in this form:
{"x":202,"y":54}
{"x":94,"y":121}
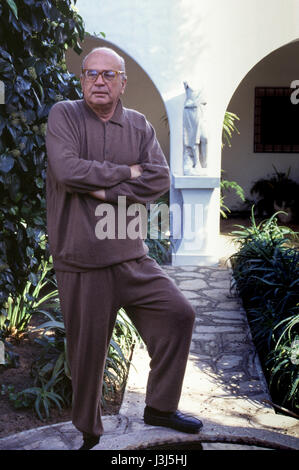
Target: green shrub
{"x":19,"y":308}
{"x":278,"y":191}
{"x":158,"y":240}
{"x":265,"y":262}
{"x":283,"y":361}
{"x":34,"y":35}
{"x":51,"y":373}
{"x":226,"y":185}
{"x":229,"y":127}
{"x":266,"y":276}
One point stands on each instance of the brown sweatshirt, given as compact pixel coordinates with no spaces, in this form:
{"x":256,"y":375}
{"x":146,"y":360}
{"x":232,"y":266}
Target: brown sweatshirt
{"x":86,"y":154}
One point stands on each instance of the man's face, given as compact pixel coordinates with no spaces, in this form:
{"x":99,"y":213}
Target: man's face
{"x":103,"y":93}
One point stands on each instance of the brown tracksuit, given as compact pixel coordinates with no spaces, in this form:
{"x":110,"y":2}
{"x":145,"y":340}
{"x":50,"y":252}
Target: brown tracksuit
{"x":98,"y":276}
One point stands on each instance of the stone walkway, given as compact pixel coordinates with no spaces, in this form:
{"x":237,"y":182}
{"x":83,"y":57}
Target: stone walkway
{"x":224,"y":386}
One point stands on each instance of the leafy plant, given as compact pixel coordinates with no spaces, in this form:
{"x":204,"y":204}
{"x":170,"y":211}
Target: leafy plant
{"x":266,"y":274}
{"x":263,"y":320}
{"x":229,"y":127}
{"x":277,"y":192}
{"x":226,"y":185}
{"x":18,"y":310}
{"x":158,"y":240}
{"x":283,"y":363}
{"x":51,"y":372}
{"x":17,"y":400}
{"x":42,"y":399}
{"x":266,"y":267}
{"x":34,"y":35}
{"x":291,"y":327}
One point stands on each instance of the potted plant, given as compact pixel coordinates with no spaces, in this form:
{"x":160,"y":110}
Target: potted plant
{"x":277,"y":193}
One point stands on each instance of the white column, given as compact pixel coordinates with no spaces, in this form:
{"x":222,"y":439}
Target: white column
{"x":200,"y":221}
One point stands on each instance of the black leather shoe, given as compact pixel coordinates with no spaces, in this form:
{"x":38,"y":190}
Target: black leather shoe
{"x":89,"y":441}
{"x":175,"y":420}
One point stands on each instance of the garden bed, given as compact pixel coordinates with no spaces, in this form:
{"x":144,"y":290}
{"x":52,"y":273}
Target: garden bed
{"x":266,"y":276}
{"x":15,"y":420}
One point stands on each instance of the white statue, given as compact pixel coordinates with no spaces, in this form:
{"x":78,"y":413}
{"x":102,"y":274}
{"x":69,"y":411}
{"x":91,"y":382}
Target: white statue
{"x":195,"y":135}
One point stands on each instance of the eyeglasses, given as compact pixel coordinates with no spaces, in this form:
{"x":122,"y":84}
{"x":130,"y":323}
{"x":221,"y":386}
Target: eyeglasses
{"x":107,"y":75}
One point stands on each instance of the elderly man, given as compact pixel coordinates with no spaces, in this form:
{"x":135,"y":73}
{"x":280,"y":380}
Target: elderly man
{"x":98,"y":151}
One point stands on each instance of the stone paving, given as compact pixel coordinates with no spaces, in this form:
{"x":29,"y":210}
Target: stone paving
{"x":224,"y":385}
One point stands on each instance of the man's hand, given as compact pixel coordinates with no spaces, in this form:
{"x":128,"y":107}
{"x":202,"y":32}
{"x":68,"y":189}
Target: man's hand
{"x":136,"y":171}
{"x":98,"y":194}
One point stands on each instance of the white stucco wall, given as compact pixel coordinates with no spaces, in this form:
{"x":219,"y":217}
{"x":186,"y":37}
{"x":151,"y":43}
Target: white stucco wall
{"x":239,"y":162}
{"x":212,"y":44}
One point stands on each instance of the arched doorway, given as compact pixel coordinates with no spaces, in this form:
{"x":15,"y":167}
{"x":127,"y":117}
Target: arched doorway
{"x":241,"y":162}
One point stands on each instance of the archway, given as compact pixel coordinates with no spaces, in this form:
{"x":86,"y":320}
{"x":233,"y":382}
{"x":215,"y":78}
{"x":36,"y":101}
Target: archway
{"x":240,"y":162}
{"x":277,"y":69}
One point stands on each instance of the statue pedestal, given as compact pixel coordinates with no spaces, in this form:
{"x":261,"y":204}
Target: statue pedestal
{"x":198,"y":228}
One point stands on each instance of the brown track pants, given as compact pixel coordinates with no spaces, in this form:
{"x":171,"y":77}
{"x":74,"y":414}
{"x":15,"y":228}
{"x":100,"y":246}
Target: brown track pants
{"x":163,"y":316}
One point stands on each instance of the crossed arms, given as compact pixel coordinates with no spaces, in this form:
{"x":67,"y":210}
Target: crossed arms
{"x":142,"y":182}
{"x":136,"y":171}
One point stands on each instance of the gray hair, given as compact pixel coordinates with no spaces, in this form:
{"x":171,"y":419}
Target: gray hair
{"x":108,"y":49}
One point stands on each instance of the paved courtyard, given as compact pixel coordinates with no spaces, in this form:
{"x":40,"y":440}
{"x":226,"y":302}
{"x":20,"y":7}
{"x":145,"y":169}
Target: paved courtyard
{"x":224,"y":385}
